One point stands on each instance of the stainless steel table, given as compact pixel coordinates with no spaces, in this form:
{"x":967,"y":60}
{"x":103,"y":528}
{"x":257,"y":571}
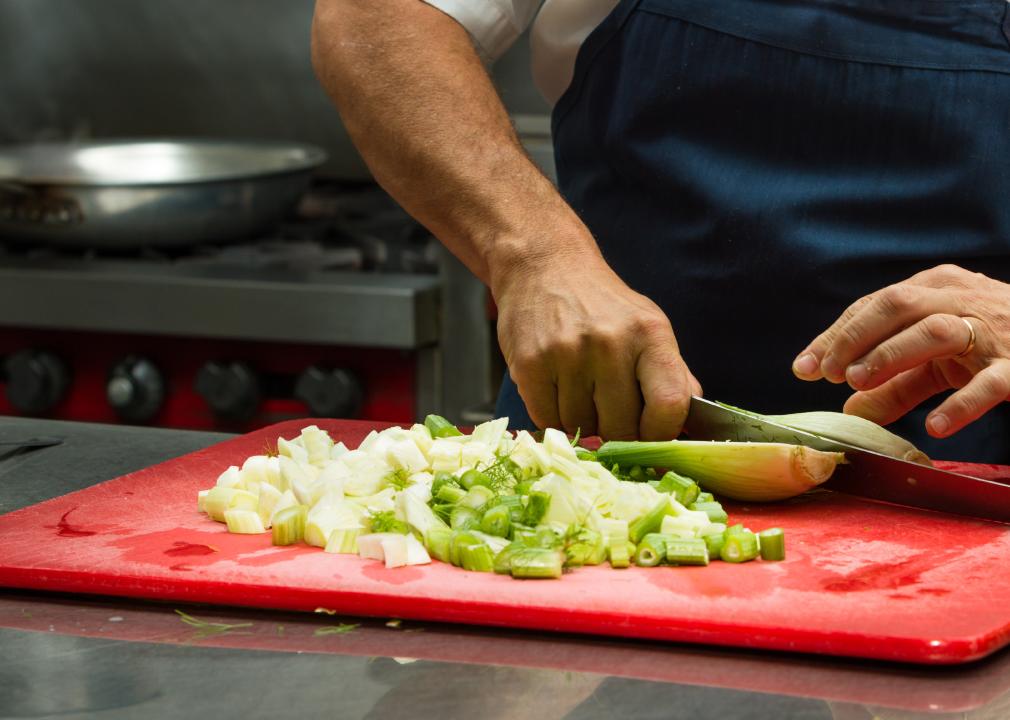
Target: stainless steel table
{"x":90,"y":657}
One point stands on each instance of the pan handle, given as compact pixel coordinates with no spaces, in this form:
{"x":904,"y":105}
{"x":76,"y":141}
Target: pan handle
{"x":37,"y":205}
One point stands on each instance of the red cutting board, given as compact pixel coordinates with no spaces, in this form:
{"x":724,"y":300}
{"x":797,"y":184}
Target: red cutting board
{"x":862,"y":579}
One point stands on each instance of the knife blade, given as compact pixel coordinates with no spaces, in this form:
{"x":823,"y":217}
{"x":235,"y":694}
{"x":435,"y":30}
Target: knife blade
{"x":866,"y":473}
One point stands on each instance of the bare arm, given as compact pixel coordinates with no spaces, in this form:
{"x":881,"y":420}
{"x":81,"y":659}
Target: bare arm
{"x":584,"y":349}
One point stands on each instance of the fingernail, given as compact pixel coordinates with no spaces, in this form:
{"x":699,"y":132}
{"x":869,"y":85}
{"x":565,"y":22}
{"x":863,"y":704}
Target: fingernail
{"x":857,"y":375}
{"x":805,"y":364}
{"x":939,"y":424}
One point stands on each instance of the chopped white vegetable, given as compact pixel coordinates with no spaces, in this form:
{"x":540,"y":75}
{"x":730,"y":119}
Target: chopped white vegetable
{"x":394,"y":550}
{"x":268,"y":498}
{"x":244,"y":522}
{"x":445,"y":455}
{"x":230,"y":478}
{"x":317,"y":444}
{"x":404,"y":454}
{"x":292,"y":449}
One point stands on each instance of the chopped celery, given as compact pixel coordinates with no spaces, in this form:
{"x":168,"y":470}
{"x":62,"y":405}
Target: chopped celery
{"x":441,"y":479}
{"x":617,"y":553}
{"x":523,"y":487}
{"x":477,"y":558}
{"x":464,"y":518}
{"x":714,"y":510}
{"x":651,"y":551}
{"x":537,"y":504}
{"x":437,"y":541}
{"x":514,"y":503}
{"x":496,"y":521}
{"x":547,"y":538}
{"x":439,"y":427}
{"x":450,"y":494}
{"x":686,"y":552}
{"x":651,"y":521}
{"x":477,"y":497}
{"x":473,"y":478}
{"x":503,"y":560}
{"x":537,"y":563}
{"x":524,"y":534}
{"x":458,"y":542}
{"x":584,"y":547}
{"x":738,"y":547}
{"x":772,"y":543}
{"x":683,"y":490}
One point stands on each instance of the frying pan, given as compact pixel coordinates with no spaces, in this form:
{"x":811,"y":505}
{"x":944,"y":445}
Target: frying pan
{"x":125,"y":194}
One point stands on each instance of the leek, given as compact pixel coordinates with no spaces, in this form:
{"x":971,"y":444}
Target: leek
{"x":744,"y":471}
{"x":853,"y":430}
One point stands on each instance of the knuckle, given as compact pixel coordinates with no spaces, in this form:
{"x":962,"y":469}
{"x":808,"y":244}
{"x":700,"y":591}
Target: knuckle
{"x":849,"y":334}
{"x":997,"y":385}
{"x":949,"y":271}
{"x":524,"y":365}
{"x":651,"y":325}
{"x":896,"y":299}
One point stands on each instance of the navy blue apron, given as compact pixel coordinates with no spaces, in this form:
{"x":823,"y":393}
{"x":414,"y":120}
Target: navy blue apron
{"x":754,"y":166}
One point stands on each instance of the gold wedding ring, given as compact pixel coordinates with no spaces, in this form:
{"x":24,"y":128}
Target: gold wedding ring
{"x":971,"y":339}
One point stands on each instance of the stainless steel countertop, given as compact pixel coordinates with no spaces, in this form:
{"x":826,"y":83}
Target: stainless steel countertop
{"x":74,"y":656}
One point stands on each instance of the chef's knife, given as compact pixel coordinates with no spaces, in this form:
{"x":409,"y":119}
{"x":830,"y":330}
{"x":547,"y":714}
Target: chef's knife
{"x":866,"y":473}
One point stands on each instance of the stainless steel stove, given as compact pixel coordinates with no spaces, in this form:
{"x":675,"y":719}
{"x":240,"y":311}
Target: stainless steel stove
{"x":337,"y":312}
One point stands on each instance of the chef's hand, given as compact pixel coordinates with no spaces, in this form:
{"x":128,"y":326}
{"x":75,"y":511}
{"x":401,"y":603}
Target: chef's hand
{"x":589,"y":353}
{"x":905,"y":343}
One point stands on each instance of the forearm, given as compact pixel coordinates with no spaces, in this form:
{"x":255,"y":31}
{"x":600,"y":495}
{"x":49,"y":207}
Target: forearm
{"x":421,"y":109}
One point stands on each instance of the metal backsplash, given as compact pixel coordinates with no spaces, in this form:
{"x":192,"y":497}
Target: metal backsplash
{"x":231,"y":68}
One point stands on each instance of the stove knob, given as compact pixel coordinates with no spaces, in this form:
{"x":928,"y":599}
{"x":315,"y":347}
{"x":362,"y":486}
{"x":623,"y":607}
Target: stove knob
{"x":136,"y":389}
{"x":330,"y":393}
{"x":36,"y":381}
{"x":232,"y":390}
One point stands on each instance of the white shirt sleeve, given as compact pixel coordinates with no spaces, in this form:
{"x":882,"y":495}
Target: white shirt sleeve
{"x":493,"y":24}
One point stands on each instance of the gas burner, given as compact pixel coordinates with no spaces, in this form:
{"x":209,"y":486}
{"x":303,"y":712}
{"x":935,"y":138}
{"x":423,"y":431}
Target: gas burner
{"x":335,"y":227}
{"x":297,"y":255}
